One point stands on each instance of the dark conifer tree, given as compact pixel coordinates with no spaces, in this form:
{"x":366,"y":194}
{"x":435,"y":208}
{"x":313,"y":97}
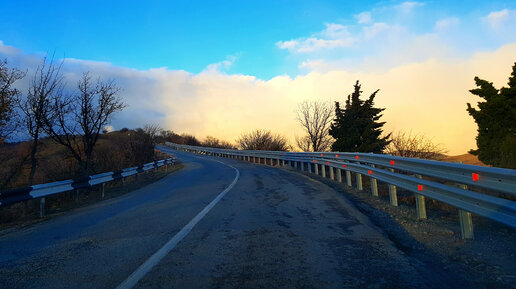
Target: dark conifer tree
{"x":357,"y":128}
{"x":496,"y":120}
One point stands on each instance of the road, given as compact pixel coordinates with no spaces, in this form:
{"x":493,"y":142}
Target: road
{"x":276,"y":228}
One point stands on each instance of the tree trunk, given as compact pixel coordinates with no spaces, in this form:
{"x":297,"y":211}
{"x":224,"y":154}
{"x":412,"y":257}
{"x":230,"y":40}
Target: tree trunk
{"x":33,"y":160}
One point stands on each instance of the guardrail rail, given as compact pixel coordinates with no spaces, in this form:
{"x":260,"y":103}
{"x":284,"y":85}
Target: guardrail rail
{"x":446,"y":182}
{"x":42,"y":190}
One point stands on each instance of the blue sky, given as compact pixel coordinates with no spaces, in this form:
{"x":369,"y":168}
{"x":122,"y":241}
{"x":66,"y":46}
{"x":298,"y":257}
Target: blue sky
{"x":190,"y":35}
{"x":221,"y":68}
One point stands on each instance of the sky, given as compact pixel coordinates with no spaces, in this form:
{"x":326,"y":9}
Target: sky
{"x":222,"y":68}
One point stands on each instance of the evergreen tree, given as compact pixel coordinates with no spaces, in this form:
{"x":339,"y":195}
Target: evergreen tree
{"x":496,"y":120}
{"x":356,"y":128}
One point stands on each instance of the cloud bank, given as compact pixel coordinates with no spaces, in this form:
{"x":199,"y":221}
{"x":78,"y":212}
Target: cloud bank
{"x":423,"y":80}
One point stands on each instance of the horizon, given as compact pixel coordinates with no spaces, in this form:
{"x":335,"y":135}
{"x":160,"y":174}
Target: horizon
{"x":223,"y":70}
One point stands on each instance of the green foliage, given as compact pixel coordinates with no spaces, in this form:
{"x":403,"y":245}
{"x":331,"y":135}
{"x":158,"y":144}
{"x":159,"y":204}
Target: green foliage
{"x":496,"y":120}
{"x":356,"y":128}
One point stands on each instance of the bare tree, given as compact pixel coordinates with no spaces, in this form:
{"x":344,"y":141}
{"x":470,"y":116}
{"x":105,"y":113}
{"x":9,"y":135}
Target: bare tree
{"x":46,"y":82}
{"x":263,"y":140}
{"x":315,"y":117}
{"x":214,"y":142}
{"x":76,"y":120}
{"x":304,"y":143}
{"x":8,"y":97}
{"x":153,"y":131}
{"x":414,"y":146}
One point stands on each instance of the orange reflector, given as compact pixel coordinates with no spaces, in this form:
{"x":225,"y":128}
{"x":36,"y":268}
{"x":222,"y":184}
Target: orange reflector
{"x":369,"y":172}
{"x":336,"y":156}
{"x":314,"y":161}
{"x":475,"y":177}
{"x":419,"y":187}
{"x":356,"y":157}
{"x":343,"y":166}
{"x":392,"y":162}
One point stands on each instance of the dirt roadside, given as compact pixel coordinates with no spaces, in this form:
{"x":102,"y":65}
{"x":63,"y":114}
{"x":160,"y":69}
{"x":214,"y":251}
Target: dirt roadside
{"x":489,"y":260}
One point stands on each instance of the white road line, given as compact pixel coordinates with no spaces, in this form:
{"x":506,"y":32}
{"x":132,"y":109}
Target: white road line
{"x":133,"y":279}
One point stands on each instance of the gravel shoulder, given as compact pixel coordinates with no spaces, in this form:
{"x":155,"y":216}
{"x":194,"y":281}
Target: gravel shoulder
{"x":488,"y":261}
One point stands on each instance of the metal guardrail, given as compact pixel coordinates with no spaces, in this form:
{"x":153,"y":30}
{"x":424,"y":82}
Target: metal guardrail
{"x":442,"y":181}
{"x":40,"y":191}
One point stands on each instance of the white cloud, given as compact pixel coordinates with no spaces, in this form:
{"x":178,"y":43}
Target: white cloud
{"x":408,"y":6}
{"x":333,"y":36}
{"x":375,"y":29}
{"x":497,"y":17}
{"x":223,"y":65}
{"x":446,"y":23}
{"x":364,"y":17}
{"x":425,"y":96}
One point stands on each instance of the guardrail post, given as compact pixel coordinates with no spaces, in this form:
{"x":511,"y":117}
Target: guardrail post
{"x":332,"y":174}
{"x":77,"y":196}
{"x":348,"y":179}
{"x":393,"y":196}
{"x":466,"y":222}
{"x":339,"y":175}
{"x":316,"y":167}
{"x":309,"y":165}
{"x":359,"y":181}
{"x":420,"y":204}
{"x":302,"y":166}
{"x":103,"y":190}
{"x":295,"y":165}
{"x":42,"y":207}
{"x":374,"y":186}
{"x":323,"y":171}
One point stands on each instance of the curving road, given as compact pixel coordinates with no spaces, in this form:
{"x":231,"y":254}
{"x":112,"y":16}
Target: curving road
{"x":275,"y":228}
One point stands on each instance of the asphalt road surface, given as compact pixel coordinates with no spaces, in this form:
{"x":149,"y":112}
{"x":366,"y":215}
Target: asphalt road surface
{"x":275,"y":228}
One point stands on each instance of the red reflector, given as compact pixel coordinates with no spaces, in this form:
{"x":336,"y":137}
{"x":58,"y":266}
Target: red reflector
{"x":356,"y":157}
{"x":321,"y":155}
{"x":475,"y":177}
{"x":419,"y":187}
{"x":392,"y":163}
{"x":315,"y":161}
{"x":327,"y":163}
{"x":343,"y":166}
{"x":336,"y":156}
{"x":369,"y":172}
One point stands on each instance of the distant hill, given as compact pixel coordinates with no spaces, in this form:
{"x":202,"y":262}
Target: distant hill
{"x":468,"y":159}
